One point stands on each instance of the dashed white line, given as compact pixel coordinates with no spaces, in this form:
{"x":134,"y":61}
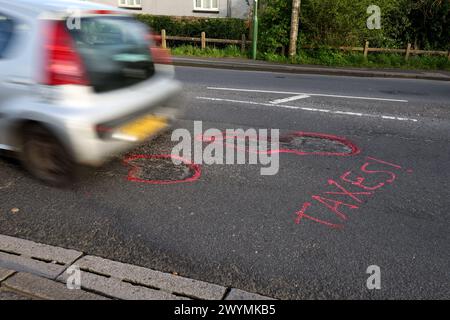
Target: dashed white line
{"x":297,"y":97}
{"x":307,"y":94}
{"x":250,"y":102}
{"x":348,"y":113}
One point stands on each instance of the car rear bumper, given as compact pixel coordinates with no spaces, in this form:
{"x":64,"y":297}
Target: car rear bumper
{"x":89,"y":149}
{"x":90,"y":146}
{"x":73,"y":115}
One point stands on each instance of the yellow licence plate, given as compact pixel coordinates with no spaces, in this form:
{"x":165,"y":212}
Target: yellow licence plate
{"x":144,"y":127}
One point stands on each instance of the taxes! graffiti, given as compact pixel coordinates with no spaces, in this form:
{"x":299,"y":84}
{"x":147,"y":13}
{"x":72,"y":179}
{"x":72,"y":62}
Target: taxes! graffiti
{"x":349,"y":192}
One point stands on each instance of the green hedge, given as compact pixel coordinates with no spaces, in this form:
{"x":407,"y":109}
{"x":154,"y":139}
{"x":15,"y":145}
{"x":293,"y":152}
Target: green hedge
{"x":423,"y":23}
{"x":219,"y":28}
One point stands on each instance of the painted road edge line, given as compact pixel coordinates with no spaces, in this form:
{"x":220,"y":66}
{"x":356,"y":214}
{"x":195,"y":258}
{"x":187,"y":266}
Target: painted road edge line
{"x":347,"y":113}
{"x":307,"y":94}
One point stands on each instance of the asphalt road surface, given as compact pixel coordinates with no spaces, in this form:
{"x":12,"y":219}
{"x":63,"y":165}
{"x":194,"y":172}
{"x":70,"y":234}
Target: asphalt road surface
{"x":385,"y":202}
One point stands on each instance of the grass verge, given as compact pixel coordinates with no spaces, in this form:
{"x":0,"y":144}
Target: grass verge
{"x":212,"y":52}
{"x":326,"y":57}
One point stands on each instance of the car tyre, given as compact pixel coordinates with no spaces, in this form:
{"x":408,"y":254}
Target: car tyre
{"x":46,"y":158}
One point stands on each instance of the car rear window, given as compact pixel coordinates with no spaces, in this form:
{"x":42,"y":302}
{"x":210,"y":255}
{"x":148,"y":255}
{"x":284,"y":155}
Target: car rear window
{"x":115,"y":51}
{"x":6,"y":33}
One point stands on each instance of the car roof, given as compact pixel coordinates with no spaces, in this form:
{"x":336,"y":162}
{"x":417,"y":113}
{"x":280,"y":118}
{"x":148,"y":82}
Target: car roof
{"x":54,"y":5}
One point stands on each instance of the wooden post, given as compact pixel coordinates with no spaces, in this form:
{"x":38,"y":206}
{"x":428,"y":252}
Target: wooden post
{"x":449,"y":55}
{"x":203,"y":40}
{"x":243,"y":43}
{"x":408,"y":51}
{"x":163,"y":39}
{"x":366,"y":49}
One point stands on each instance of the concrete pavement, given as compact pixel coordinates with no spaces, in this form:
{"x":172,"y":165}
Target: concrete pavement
{"x":30,"y":270}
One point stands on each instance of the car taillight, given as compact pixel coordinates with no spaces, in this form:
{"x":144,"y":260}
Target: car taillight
{"x":62,"y":64}
{"x":161,"y":56}
{"x":102,"y":12}
{"x":156,"y":38}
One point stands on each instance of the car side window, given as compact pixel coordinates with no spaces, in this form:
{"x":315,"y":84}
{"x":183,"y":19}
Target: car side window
{"x":6,"y":33}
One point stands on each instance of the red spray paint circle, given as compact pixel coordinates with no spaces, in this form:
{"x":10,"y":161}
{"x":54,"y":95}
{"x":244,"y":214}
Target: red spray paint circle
{"x":196,"y":169}
{"x":354,"y":150}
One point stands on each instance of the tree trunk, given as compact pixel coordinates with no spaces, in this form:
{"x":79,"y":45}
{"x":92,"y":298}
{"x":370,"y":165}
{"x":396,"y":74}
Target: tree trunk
{"x":294,"y":28}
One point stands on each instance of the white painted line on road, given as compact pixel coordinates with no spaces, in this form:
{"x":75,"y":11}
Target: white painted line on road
{"x":347,"y":113}
{"x":297,"y":97}
{"x":250,"y":102}
{"x":306,"y":94}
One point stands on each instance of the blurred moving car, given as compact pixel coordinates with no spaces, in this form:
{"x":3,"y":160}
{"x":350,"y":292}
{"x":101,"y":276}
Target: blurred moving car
{"x":79,"y":82}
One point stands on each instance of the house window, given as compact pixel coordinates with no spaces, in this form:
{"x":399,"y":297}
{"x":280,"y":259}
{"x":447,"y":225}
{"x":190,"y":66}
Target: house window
{"x":133,"y":4}
{"x":206,"y":5}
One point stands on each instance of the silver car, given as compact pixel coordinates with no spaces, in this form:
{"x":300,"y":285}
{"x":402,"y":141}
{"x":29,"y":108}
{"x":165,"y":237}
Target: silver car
{"x":79,"y":82}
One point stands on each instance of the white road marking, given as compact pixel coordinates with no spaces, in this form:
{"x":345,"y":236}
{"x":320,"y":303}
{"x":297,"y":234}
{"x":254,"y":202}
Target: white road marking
{"x":347,"y":113}
{"x":306,"y":94}
{"x":250,"y":102}
{"x":297,"y":97}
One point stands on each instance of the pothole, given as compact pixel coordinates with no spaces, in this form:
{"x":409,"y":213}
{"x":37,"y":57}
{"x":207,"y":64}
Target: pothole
{"x":314,"y":143}
{"x":160,"y":169}
{"x":301,"y":143}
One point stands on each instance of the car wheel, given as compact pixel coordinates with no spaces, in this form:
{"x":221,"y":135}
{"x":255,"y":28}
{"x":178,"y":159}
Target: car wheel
{"x":46,"y":158}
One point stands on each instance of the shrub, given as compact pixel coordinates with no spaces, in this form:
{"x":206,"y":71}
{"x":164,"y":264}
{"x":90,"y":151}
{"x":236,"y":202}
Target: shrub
{"x":425,"y":23}
{"x":220,"y":28}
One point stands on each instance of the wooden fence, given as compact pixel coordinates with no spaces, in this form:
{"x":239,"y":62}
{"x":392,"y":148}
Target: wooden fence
{"x":408,"y":51}
{"x":203,"y":40}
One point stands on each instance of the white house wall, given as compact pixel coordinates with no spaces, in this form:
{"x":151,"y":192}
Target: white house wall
{"x":239,"y":8}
